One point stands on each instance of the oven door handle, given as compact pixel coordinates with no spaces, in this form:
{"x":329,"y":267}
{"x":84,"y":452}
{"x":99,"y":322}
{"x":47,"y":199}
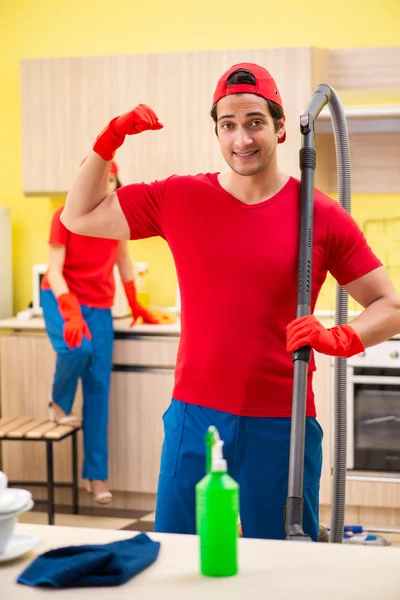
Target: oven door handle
{"x":374,"y":379}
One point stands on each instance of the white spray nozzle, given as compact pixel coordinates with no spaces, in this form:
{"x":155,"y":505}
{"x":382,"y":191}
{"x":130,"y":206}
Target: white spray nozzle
{"x":218,"y":463}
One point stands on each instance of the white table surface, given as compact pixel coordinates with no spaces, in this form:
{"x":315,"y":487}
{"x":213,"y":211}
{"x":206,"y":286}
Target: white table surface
{"x":269,"y":570}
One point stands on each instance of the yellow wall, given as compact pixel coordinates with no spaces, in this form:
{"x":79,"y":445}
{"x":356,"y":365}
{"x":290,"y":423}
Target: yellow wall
{"x":378,"y":217}
{"x":46,"y":28}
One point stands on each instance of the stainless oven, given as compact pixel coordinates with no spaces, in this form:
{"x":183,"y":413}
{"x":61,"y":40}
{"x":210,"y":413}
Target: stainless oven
{"x":373,"y":420}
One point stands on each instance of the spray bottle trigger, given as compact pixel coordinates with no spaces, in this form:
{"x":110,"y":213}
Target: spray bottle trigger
{"x":218,"y":463}
{"x":211,"y":437}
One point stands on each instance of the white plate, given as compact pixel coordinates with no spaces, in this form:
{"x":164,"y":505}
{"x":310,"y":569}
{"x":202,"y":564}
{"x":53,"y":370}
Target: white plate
{"x":18,"y":546}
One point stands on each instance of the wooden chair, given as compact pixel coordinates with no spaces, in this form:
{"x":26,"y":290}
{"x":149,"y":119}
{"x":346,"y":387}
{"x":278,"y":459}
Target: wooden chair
{"x":29,"y":429}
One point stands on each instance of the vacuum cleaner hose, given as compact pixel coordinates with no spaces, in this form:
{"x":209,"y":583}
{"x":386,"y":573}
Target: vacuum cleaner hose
{"x":340,"y":364}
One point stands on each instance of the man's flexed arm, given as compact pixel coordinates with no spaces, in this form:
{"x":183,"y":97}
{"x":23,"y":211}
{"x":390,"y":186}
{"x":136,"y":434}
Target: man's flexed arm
{"x":89,"y":209}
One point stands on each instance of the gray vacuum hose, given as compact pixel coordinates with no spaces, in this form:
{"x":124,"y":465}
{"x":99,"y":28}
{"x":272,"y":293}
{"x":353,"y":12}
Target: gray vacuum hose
{"x":340,"y":364}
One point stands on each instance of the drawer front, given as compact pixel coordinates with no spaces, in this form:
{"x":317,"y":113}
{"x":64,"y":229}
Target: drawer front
{"x":152,"y":352}
{"x":386,"y":354}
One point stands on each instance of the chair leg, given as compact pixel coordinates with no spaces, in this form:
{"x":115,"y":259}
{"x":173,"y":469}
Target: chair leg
{"x":50,"y":482}
{"x":75,"y":503}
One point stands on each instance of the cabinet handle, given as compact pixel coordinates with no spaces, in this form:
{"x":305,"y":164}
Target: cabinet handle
{"x":394,"y":354}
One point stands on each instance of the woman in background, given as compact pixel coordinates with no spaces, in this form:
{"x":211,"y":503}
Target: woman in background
{"x":77,"y":294}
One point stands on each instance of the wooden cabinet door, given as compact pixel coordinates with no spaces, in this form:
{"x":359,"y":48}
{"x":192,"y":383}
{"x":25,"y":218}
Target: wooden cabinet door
{"x":138,"y":399}
{"x":89,"y":102}
{"x":323,"y":390}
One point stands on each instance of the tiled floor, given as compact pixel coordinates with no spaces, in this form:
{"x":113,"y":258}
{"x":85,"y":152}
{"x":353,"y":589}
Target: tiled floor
{"x":100,"y":518}
{"x":109,"y":518}
{"x":76,"y":520}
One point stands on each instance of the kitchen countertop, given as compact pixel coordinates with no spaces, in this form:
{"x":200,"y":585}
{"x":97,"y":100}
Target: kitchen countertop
{"x":120,"y":325}
{"x":123,"y":325}
{"x":278,"y":570}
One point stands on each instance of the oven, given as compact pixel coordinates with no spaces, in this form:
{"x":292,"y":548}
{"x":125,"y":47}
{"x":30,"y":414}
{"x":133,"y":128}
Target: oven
{"x":373,"y":399}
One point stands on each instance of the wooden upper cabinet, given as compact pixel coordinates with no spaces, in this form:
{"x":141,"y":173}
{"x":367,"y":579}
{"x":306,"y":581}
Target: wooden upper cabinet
{"x":66,"y":102}
{"x":369,"y":69}
{"x":368,"y":83}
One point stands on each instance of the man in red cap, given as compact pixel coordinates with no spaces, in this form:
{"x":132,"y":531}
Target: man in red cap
{"x":234,"y":237}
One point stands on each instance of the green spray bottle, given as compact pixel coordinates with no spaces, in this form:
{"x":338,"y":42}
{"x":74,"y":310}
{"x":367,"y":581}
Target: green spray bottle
{"x":217,"y":508}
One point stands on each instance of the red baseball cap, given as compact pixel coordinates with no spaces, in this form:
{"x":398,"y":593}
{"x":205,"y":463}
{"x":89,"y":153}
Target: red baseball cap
{"x":265,"y":85}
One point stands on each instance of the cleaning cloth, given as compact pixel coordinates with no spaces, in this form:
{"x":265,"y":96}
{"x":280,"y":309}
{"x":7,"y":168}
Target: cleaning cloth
{"x":92,"y":565}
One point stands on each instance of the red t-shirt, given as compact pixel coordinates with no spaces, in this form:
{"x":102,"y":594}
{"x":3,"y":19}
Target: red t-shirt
{"x":237,"y":270}
{"x":88,"y":266}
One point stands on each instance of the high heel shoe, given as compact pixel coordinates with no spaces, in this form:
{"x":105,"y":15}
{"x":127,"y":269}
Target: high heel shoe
{"x":70,"y":420}
{"x":101,"y":497}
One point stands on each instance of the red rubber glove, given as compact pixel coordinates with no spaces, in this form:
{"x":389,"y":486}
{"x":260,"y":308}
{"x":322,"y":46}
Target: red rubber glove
{"x":137,"y":309}
{"x":336,"y":341}
{"x":75,"y":326}
{"x":141,"y":118}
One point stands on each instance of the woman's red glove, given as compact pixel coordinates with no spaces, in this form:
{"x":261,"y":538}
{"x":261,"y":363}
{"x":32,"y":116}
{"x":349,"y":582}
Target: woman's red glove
{"x":75,"y":326}
{"x":141,"y":118}
{"x":148,"y":316}
{"x":341,"y":340}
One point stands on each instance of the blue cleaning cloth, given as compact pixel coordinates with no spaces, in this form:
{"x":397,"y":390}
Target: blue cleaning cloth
{"x":92,"y":565}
